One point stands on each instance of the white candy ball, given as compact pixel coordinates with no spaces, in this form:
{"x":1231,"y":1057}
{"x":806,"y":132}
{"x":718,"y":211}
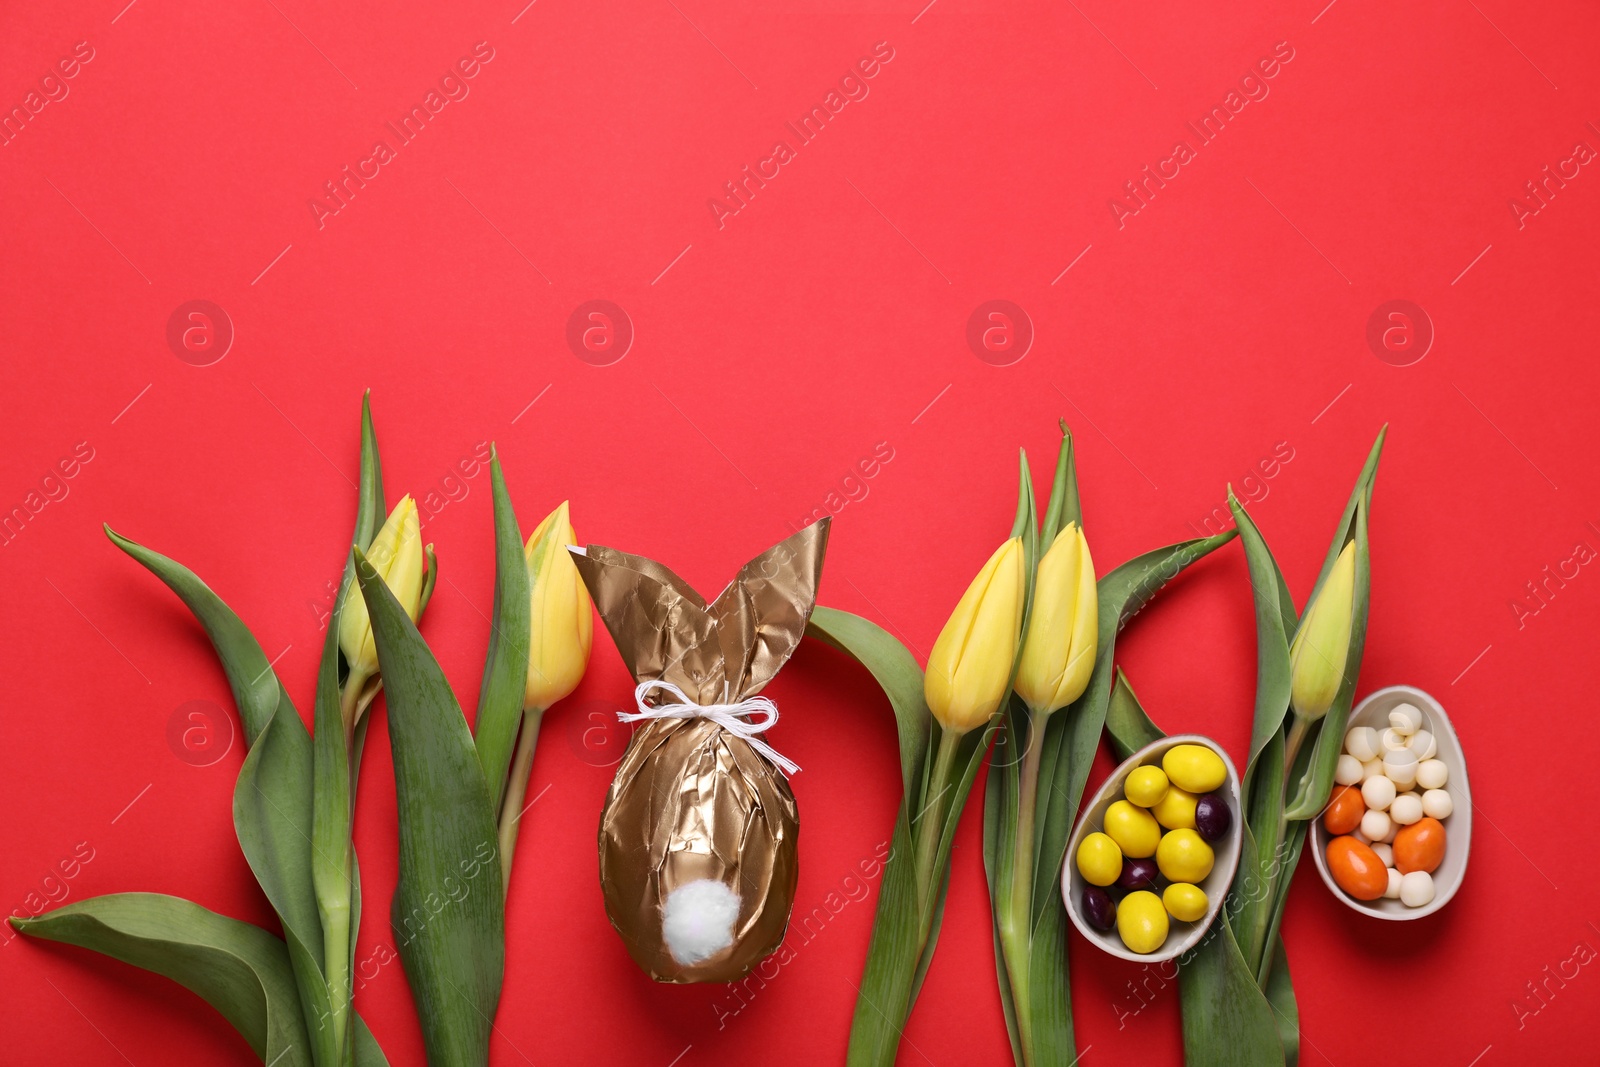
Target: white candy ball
{"x":1401,"y":768}
{"x":1373,"y":768}
{"x":1406,"y":719}
{"x":1436,"y":804}
{"x":1384,"y":852}
{"x":1406,"y":809}
{"x":1416,"y":889}
{"x":1359,"y":836}
{"x":1424,"y":745}
{"x":1394,"y":828}
{"x":1391,"y":740}
{"x":1376,"y":825}
{"x":1432,"y":774}
{"x":1395,"y":881}
{"x":1362,"y":743}
{"x":1378,"y":793}
{"x":1347,"y":771}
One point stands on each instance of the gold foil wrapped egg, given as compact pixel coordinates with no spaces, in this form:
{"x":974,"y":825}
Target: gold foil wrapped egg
{"x":698,"y":855}
{"x":698,"y":838}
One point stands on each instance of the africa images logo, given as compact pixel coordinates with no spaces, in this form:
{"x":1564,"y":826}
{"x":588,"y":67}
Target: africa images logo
{"x":853,"y":88}
{"x":1253,"y":88}
{"x":453,"y":87}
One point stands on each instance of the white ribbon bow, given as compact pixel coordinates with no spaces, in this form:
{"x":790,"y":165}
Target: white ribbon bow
{"x":762,"y":712}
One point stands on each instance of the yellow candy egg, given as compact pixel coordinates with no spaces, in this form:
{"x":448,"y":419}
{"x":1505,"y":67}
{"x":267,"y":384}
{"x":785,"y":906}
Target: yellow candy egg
{"x":1176,"y":809}
{"x":1146,"y":786}
{"x":1184,"y":856}
{"x":1133,"y":829}
{"x":1186,"y":903}
{"x":1194,"y":767}
{"x":1142,"y":921}
{"x":1099,"y":860}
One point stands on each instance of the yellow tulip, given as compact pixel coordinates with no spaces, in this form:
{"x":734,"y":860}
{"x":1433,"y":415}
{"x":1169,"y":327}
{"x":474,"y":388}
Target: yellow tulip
{"x":969,"y":669}
{"x":1063,"y":628}
{"x":562,"y":619}
{"x":1322,"y":643}
{"x":396,"y":554}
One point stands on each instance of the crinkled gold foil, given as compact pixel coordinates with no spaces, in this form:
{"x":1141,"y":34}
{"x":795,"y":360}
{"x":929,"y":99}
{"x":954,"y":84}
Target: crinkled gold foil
{"x":690,"y":800}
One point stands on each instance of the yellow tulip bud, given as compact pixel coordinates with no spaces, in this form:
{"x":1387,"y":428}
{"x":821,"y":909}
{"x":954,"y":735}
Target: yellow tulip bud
{"x":1063,"y":628}
{"x":562,"y":618}
{"x":396,"y":554}
{"x":1322,"y":643}
{"x":969,"y":669}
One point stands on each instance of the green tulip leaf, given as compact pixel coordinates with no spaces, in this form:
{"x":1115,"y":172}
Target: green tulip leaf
{"x":371,"y":508}
{"x":272,"y":798}
{"x":896,"y":671}
{"x":1227,"y":1020}
{"x":884,"y":997}
{"x":448,"y":912}
{"x":895,"y":954}
{"x":1026,"y":526}
{"x":430,"y":578}
{"x":1130,"y":728}
{"x":505,"y":668}
{"x":1359,"y":495}
{"x":241,"y":970}
{"x":903,"y":936}
{"x":250,"y":676}
{"x":1261,"y":859}
{"x":1294,"y":844}
{"x":1285,"y":1010}
{"x":1064,"y":506}
{"x":334,"y":873}
{"x":1275,"y":622}
{"x":1317,"y":780}
{"x":333,"y":858}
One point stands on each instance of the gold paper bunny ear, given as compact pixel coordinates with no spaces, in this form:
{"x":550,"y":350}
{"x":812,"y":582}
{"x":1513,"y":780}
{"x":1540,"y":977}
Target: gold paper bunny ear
{"x":762,"y":615}
{"x":659,"y":623}
{"x":724,"y":652}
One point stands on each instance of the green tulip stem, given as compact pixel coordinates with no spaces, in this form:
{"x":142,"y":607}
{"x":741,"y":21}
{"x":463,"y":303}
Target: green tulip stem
{"x":334,"y":900}
{"x":1017,"y":923}
{"x":351,"y":705}
{"x":1260,"y":950}
{"x":1291,"y":750}
{"x":516,"y":789}
{"x":932,"y":817}
{"x":1027,"y":801}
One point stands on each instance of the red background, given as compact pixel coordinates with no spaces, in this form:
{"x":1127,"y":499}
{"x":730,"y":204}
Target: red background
{"x":771,"y":356}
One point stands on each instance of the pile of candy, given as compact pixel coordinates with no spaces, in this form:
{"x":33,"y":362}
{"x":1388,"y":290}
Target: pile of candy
{"x":1387,"y":811}
{"x":1177,"y":796}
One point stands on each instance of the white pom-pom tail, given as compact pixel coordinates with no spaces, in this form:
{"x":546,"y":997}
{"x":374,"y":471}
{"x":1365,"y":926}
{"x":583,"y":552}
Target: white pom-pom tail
{"x":697,"y":920}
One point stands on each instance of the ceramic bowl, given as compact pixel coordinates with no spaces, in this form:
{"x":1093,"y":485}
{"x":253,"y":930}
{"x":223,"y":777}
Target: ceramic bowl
{"x":1181,"y":936}
{"x":1374,"y":712}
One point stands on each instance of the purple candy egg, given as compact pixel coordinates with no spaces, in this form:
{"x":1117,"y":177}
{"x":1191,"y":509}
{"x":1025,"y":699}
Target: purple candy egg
{"x":1098,"y":908}
{"x":1212,"y":818}
{"x":1138,"y":874}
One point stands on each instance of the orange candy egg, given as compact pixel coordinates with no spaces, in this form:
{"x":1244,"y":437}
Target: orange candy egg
{"x":1344,"y":811}
{"x":1357,"y":869}
{"x":1420,"y":846}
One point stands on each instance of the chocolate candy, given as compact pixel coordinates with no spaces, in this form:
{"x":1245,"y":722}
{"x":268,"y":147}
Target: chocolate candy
{"x":1212,"y":817}
{"x":1138,"y":874}
{"x":1098,"y":908}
